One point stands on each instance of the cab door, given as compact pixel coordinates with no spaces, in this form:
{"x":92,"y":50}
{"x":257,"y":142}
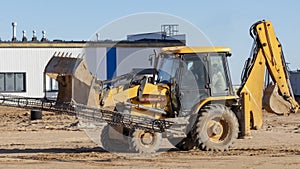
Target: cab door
{"x":220,"y":82}
{"x":193,"y":81}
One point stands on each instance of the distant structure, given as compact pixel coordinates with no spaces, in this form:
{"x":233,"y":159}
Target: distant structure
{"x":168,"y":32}
{"x":97,"y":36}
{"x":23,"y":62}
{"x":295,"y":81}
{"x":14,"y":32}
{"x":44,"y":39}
{"x":24,"y":38}
{"x":34,"y":38}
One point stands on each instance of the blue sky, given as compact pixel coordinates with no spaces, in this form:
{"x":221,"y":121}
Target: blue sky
{"x":225,"y":23}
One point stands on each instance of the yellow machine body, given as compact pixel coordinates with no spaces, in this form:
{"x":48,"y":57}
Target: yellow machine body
{"x":120,"y":95}
{"x":278,"y":98}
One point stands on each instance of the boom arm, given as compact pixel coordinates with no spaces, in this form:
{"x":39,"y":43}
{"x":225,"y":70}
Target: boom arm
{"x":266,"y":53}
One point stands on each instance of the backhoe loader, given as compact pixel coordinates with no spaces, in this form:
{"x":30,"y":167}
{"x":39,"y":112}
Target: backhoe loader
{"x":188,"y":95}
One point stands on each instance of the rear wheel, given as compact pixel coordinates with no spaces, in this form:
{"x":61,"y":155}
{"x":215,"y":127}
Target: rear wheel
{"x":217,"y":128}
{"x":145,"y":141}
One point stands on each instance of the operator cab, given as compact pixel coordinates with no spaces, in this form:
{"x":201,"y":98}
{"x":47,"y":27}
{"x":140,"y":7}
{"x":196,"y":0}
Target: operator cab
{"x":194,"y":74}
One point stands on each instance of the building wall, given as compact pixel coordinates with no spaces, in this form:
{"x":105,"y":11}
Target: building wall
{"x":105,"y":62}
{"x":96,"y":60}
{"x":129,"y":58}
{"x":109,"y":62}
{"x":295,"y":81}
{"x":101,"y":62}
{"x":31,"y":61}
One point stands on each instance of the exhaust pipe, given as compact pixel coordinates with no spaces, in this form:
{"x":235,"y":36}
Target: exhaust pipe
{"x":14,"y":31}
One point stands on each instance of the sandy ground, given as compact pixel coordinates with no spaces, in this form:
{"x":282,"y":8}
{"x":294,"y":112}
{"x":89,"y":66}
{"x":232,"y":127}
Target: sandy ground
{"x":58,"y":142}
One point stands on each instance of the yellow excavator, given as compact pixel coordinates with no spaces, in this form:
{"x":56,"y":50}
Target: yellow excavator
{"x":187,"y":97}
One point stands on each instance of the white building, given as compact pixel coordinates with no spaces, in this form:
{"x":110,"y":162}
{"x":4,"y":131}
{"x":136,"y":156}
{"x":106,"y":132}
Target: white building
{"x":22,"y":63}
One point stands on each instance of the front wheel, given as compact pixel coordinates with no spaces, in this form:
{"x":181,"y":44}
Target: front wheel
{"x":217,"y":128}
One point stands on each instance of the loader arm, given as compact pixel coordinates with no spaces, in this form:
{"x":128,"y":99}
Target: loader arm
{"x":279,"y":99}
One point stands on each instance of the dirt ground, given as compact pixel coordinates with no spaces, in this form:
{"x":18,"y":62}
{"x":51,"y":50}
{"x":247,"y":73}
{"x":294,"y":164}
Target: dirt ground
{"x":56,"y":141}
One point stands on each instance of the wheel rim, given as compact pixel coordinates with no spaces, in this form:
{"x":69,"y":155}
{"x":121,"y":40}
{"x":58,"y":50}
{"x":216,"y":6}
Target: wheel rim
{"x":147,"y":138}
{"x":217,"y":130}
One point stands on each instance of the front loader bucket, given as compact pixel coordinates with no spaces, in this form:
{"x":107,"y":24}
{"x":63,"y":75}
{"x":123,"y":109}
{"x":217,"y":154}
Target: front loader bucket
{"x":274,"y":103}
{"x":76,"y":83}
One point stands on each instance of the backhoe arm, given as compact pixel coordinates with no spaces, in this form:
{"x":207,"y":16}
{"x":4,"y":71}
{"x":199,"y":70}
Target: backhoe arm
{"x":279,"y":99}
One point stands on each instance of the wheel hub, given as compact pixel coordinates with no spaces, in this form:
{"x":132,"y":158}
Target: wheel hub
{"x":215,"y":130}
{"x":147,"y":138}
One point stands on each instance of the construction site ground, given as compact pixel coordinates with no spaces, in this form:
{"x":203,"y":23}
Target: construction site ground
{"x":56,"y":141}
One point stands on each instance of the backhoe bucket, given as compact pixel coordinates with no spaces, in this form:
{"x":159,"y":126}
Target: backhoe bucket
{"x":75,"y":81}
{"x":274,"y":103}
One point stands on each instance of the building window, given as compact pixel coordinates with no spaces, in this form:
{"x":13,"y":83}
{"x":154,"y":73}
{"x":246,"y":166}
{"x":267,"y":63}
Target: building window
{"x":51,"y":84}
{"x":12,"y":82}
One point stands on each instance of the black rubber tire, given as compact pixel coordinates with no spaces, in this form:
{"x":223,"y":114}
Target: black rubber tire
{"x":183,"y":144}
{"x":138,"y":145}
{"x":112,"y":145}
{"x":224,"y":122}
